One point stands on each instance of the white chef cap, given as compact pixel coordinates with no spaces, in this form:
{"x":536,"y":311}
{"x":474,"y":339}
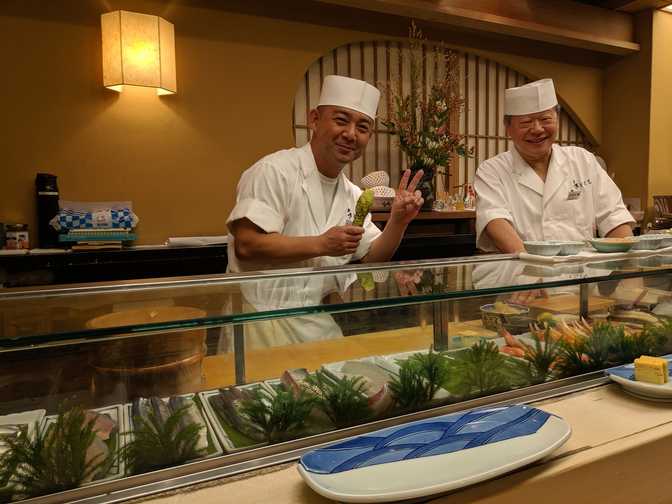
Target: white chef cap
{"x":350,"y":93}
{"x":531,"y":98}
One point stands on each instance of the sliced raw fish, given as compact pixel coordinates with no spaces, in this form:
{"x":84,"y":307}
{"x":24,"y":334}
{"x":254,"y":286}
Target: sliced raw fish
{"x":160,"y":408}
{"x":294,"y":379}
{"x":140,"y":409}
{"x":103,"y":424}
{"x":95,"y":454}
{"x":376,"y":389}
{"x":380,"y":401}
{"x":227,"y":404}
{"x":192,"y":415}
{"x":371,"y":372}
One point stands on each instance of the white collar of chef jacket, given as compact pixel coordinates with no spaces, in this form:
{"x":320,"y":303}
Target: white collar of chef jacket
{"x":308,"y":165}
{"x":519,"y":165}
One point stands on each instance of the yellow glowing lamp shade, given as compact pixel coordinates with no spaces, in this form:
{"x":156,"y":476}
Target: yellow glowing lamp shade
{"x":138,"y":50}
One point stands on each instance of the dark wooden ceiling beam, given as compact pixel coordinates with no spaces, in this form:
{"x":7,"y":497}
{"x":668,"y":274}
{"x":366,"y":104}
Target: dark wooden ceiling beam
{"x":640,"y":5}
{"x":628,"y":5}
{"x":563,"y":22}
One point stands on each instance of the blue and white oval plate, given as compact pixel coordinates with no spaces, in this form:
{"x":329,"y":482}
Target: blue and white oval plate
{"x":433,"y":456}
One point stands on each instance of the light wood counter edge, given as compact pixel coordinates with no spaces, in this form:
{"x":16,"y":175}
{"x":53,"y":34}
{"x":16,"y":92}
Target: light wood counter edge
{"x":618,"y":452}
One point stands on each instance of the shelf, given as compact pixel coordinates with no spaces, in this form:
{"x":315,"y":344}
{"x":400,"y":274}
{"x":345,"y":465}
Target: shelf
{"x":432,"y":215}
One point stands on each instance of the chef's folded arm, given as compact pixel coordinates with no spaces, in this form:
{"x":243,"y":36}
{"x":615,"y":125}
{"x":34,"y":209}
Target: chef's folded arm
{"x":501,"y":233}
{"x":253,"y":242}
{"x":612,"y":217}
{"x":256,"y":222}
{"x":494,"y":226}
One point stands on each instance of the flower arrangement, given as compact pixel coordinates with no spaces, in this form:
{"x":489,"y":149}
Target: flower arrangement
{"x":422,"y":119}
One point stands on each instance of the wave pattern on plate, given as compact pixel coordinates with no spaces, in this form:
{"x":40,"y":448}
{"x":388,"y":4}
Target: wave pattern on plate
{"x":435,"y":436}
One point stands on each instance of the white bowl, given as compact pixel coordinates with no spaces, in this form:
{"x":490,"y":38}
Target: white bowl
{"x":649,"y":242}
{"x":612,"y":244}
{"x":542,"y":248}
{"x":569,"y":247}
{"x":666,"y":241}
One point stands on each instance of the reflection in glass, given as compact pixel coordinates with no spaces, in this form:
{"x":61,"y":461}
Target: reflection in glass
{"x":224,"y":365}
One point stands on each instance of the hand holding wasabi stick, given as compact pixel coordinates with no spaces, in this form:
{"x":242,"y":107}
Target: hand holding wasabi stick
{"x":341,"y":240}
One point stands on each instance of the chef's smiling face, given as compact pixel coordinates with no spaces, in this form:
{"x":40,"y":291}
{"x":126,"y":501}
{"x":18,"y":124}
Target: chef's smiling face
{"x":534,"y":134}
{"x":339,"y":135}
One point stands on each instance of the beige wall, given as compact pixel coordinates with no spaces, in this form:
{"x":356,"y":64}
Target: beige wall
{"x":627,"y":98}
{"x":178,"y":158}
{"x":660,"y":150}
{"x":637,"y":113}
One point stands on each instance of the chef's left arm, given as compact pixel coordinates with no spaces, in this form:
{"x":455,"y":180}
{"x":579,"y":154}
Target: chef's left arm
{"x":406,"y":205}
{"x":621,"y":231}
{"x":611,"y":216}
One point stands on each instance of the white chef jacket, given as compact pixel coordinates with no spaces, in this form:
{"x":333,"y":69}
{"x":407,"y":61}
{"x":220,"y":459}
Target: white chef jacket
{"x":282,"y":193}
{"x":285,"y":293}
{"x":294,"y":292}
{"x":577,"y":199}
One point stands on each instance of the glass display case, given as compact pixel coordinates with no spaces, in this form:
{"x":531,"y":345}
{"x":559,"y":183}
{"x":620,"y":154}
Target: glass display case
{"x":163,"y":383}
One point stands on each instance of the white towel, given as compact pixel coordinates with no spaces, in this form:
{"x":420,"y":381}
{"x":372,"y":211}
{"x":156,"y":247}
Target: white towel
{"x":193,"y":241}
{"x":39,"y":251}
{"x":14,"y":252}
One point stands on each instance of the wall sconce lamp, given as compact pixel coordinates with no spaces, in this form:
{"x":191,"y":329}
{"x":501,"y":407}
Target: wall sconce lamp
{"x":138,"y":50}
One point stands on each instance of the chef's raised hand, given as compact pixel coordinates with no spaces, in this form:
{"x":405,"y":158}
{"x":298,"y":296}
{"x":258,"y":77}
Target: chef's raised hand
{"x":407,"y":201}
{"x":340,"y":240}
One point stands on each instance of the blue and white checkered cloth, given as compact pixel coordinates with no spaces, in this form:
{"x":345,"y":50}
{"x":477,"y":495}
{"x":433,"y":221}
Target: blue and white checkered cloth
{"x":68,"y":219}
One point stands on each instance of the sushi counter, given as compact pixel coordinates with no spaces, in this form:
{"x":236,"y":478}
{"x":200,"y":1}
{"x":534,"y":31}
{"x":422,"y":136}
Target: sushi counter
{"x":169,"y":383}
{"x":618,"y":453}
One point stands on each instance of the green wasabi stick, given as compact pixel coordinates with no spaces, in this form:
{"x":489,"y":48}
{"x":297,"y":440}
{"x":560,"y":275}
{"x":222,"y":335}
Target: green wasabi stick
{"x":363,"y":205}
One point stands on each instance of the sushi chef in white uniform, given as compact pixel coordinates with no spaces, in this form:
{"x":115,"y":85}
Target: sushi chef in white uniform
{"x":538,"y":190}
{"x":294,"y":207}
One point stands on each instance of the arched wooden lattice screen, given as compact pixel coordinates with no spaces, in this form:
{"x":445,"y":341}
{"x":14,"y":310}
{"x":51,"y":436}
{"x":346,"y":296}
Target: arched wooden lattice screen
{"x":483,"y":84}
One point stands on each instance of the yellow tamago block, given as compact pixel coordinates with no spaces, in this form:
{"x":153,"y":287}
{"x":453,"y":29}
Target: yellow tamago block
{"x":651,"y":370}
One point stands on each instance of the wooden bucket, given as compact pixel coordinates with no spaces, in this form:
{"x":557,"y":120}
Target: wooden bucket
{"x":149,"y":364}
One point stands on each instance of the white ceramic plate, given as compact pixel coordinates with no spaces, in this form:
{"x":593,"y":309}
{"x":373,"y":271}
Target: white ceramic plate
{"x":433,"y":456}
{"x":27,"y":418}
{"x":625,"y":377}
{"x":381,"y":372}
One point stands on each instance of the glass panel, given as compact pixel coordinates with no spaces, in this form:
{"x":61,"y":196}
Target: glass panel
{"x":55,"y":316}
{"x":356,"y":348}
